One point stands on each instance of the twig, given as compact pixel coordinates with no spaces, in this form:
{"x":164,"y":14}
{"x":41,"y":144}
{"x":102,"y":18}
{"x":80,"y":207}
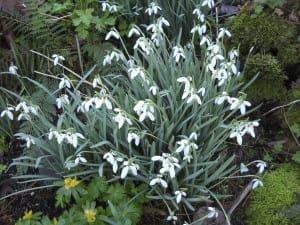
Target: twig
{"x":295,"y":138}
{"x":281,"y":106}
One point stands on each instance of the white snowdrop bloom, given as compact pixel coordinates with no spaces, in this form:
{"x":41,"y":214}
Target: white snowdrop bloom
{"x":233,"y":54}
{"x":237,"y":133}
{"x":27,"y":138}
{"x":186,"y":146}
{"x":238,"y":103}
{"x":100,"y":101}
{"x":108,"y":7}
{"x":113,"y":159}
{"x":136,"y":71}
{"x":187,"y":85}
{"x":121,"y":118}
{"x":222,"y":98}
{"x":222,"y":32}
{"x":243,"y":168}
{"x":86,"y":105}
{"x":179,"y":195}
{"x":178,"y":53}
{"x":133,"y":136}
{"x":64,"y":83}
{"x":96,"y":81}
{"x":80,"y":159}
{"x":169,"y":163}
{"x":133,"y":31}
{"x":57,"y":58}
{"x":153,"y":8}
{"x":194,"y":97}
{"x":199,"y":15}
{"x":205,"y":40}
{"x":249,"y":127}
{"x":172,"y":217}
{"x":74,"y":139}
{"x":107,"y":60}
{"x":212,"y":212}
{"x":261,"y":166}
{"x":143,"y":44}
{"x":221,"y":75}
{"x":144,"y":109}
{"x":200,"y":29}
{"x":129,"y":167}
{"x":139,"y":107}
{"x":22,"y":106}
{"x":256,"y":183}
{"x":162,"y":21}
{"x":13,"y":69}
{"x":112,"y":33}
{"x":159,"y":180}
{"x":8,"y":112}
{"x":153,"y":90}
{"x":210,"y":3}
{"x":62,"y":100}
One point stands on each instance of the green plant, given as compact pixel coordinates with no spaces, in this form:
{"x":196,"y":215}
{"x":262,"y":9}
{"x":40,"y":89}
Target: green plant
{"x":270,"y":83}
{"x":278,"y":193}
{"x":159,"y":114}
{"x":93,"y":202}
{"x":267,"y":34}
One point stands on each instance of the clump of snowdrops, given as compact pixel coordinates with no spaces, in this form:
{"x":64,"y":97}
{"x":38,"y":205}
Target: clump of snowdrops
{"x":161,"y":114}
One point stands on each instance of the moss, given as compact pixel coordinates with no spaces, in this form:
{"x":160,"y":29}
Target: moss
{"x":270,"y":83}
{"x":266,"y":204}
{"x":267,"y":33}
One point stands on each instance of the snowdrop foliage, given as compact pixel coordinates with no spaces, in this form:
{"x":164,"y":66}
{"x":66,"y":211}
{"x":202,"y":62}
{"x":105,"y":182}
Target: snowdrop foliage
{"x":160,"y":115}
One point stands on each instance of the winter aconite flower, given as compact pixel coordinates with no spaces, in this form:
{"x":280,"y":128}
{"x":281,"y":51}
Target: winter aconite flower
{"x":71,"y":183}
{"x":90,"y":215}
{"x":27,"y":215}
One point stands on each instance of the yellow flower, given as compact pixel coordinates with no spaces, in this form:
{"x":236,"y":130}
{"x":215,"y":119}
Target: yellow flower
{"x":27,"y":215}
{"x":71,"y":183}
{"x":54,"y":221}
{"x":90,"y":215}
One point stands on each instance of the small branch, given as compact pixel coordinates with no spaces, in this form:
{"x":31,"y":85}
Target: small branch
{"x":295,"y":138}
{"x":282,"y":106}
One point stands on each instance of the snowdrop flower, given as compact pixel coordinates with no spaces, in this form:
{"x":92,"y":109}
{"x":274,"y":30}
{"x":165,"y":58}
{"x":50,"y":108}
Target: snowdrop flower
{"x":199,"y":15}
{"x":86,"y":105}
{"x":28,"y":139}
{"x":220,"y":99}
{"x":144,"y":109}
{"x":133,"y":136}
{"x":238,"y":103}
{"x":256,"y":183}
{"x":152,"y":8}
{"x":62,"y":100}
{"x":22,"y":106}
{"x":113,"y":159}
{"x":205,"y":40}
{"x":136,"y":71}
{"x":64,"y":83}
{"x":199,"y":29}
{"x":13,"y":69}
{"x":112,"y":33}
{"x":237,"y":133}
{"x":223,"y":32}
{"x":80,"y":159}
{"x":179,"y":195}
{"x":168,"y":164}
{"x":233,"y":54}
{"x":153,"y":90}
{"x":96,"y":81}
{"x":121,"y":118}
{"x":143,"y":44}
{"x":103,"y":100}
{"x":172,"y":217}
{"x":117,"y":55}
{"x":212,"y":212}
{"x":73,"y":138}
{"x":133,"y":31}
{"x":249,"y":127}
{"x":261,"y":167}
{"x":178,"y":53}
{"x":243,"y":168}
{"x":129,"y":167}
{"x":8,"y":112}
{"x":107,"y":7}
{"x":159,"y":180}
{"x":57,"y":58}
{"x":187,"y":85}
{"x":195,"y":97}
{"x":209,"y":3}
